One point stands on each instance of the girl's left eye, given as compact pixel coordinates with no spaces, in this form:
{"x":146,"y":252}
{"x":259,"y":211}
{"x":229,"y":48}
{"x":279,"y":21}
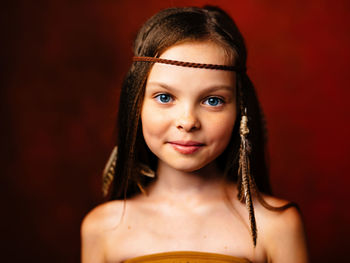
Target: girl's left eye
{"x":214,"y":101}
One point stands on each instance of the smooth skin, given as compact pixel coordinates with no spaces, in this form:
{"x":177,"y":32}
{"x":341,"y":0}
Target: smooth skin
{"x":187,"y":118}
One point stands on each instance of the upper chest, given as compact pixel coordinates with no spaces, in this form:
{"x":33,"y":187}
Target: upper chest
{"x":146,"y":231}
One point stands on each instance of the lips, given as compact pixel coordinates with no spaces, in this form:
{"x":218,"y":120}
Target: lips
{"x":186,"y":147}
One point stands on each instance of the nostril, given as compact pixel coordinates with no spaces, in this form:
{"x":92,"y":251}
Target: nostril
{"x":188,"y":124}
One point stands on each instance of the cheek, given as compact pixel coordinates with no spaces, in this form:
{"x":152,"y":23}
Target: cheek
{"x":220,"y":129}
{"x":153,"y":123}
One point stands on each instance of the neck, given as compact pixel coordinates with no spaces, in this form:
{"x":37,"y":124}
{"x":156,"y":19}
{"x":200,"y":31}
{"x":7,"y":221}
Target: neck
{"x":205,"y":183}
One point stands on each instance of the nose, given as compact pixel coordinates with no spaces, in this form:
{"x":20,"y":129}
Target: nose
{"x":187,"y":120}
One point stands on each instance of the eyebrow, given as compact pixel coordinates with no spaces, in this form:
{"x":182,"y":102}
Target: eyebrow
{"x":208,"y":89}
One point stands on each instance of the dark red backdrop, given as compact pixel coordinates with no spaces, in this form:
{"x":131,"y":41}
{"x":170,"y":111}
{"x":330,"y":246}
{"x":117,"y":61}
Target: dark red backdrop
{"x":63,"y":63}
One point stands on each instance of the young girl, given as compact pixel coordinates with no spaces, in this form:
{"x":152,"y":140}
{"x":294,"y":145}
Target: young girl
{"x":188,"y":179}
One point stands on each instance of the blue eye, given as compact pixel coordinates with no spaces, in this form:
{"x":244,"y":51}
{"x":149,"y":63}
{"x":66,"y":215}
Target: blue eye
{"x":214,"y":101}
{"x":163,"y":98}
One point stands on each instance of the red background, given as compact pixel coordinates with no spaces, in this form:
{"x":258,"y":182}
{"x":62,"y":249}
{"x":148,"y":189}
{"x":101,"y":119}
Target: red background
{"x":62,"y":66}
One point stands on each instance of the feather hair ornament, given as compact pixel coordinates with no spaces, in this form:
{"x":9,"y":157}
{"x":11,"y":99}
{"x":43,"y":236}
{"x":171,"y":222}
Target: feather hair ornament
{"x":108,"y":172}
{"x":245,"y":181}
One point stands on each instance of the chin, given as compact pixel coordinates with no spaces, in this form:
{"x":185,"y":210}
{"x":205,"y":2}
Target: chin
{"x":189,"y":167}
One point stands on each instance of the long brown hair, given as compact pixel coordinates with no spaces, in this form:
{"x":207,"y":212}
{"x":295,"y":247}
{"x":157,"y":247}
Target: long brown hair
{"x":166,"y":28}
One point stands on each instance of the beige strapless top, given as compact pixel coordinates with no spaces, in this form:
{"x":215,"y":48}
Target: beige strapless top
{"x":187,"y":257}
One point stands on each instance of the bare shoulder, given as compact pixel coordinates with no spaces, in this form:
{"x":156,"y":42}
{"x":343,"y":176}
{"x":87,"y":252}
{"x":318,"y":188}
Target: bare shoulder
{"x":94,"y":229}
{"x":273,"y":222}
{"x":282,"y":232}
{"x":103,"y":217}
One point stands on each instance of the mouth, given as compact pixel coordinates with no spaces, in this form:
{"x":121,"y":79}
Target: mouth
{"x":186,"y":147}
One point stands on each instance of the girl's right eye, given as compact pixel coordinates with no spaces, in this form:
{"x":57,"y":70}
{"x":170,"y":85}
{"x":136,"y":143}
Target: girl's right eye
{"x":163,"y":98}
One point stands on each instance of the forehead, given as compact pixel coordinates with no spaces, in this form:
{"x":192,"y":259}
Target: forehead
{"x":197,"y":52}
{"x":200,"y":52}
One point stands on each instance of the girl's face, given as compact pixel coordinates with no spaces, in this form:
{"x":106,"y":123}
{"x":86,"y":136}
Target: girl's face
{"x":188,"y":113}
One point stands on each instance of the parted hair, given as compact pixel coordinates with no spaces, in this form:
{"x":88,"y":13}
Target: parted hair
{"x":163,"y":30}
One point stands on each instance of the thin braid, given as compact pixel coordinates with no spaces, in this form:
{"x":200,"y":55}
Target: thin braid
{"x":186,"y":64}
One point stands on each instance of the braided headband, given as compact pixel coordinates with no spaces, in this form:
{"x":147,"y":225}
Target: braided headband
{"x":186,"y":64}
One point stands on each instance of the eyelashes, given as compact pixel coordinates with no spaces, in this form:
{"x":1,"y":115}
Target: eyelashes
{"x":214,"y":101}
{"x":164,"y":98}
{"x":211,"y":101}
